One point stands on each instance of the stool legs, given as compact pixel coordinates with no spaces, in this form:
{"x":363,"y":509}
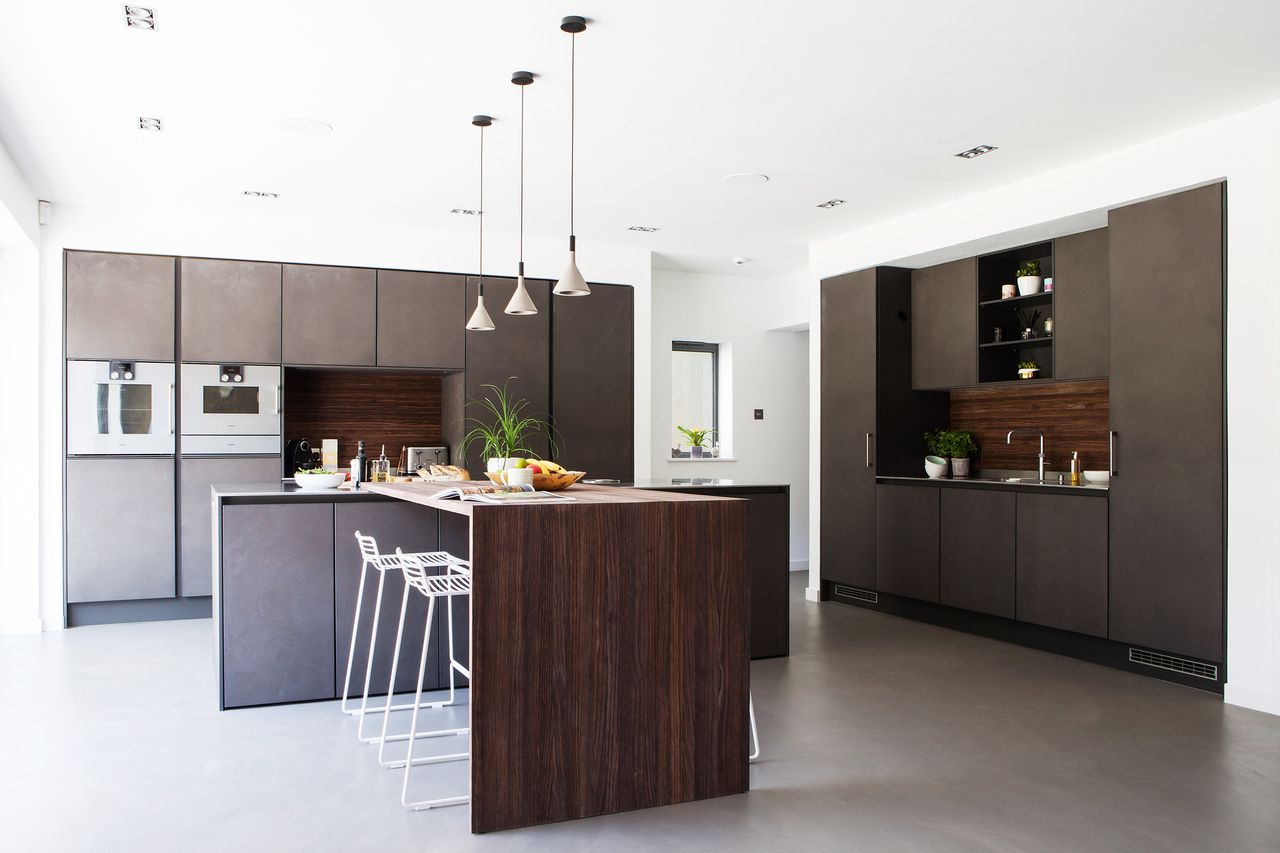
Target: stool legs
{"x":413,"y":731}
{"x":355,"y":627}
{"x":755,"y":736}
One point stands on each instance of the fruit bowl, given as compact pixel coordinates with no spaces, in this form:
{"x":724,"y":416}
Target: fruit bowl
{"x":546,"y":482}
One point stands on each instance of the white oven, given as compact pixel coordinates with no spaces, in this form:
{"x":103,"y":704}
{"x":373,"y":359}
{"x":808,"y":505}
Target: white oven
{"x":120,"y":407}
{"x":230,"y":409}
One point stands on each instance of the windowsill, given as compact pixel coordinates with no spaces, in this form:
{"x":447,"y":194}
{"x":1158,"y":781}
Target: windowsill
{"x":705,"y":459}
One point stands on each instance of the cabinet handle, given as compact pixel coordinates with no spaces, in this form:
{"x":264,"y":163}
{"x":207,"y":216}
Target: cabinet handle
{"x":868,"y":451}
{"x":1111,"y":452}
{"x":277,"y":401}
{"x":172,"y":430}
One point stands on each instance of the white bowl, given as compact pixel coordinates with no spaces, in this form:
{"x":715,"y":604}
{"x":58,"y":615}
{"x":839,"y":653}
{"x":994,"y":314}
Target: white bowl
{"x":935,"y":466}
{"x":318,"y":482}
{"x":1097,"y":476}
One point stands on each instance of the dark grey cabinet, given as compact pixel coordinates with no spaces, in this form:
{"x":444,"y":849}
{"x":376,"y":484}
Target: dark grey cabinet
{"x":593,"y":380}
{"x":977,"y":550}
{"x":421,"y":320}
{"x":120,"y":529}
{"x":329,"y":315}
{"x":907,"y":541}
{"x":409,"y":527}
{"x":944,"y":325}
{"x":1081,"y":305}
{"x":519,"y":349}
{"x":195,"y":512}
{"x":871,"y":419}
{"x":1167,"y":411}
{"x":1062,"y":562}
{"x":120,"y":306}
{"x":277,"y":606}
{"x":230,"y":311}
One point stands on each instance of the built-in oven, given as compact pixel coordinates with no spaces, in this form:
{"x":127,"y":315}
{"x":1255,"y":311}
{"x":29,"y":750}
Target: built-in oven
{"x":230,"y":409}
{"x":120,"y":407}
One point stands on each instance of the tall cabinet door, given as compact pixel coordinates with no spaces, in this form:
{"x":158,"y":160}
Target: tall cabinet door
{"x":1082,"y":325}
{"x":230,"y":311}
{"x":519,"y":349}
{"x":330,"y":315}
{"x":120,"y":529}
{"x":848,"y":490}
{"x":1166,"y":496}
{"x":944,"y":325}
{"x":195,"y":512}
{"x":119,"y":306}
{"x":593,"y":380}
{"x":420,"y":319}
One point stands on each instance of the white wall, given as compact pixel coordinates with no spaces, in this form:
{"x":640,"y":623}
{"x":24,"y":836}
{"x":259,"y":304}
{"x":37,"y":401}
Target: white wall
{"x":20,"y":431}
{"x":1244,"y":149}
{"x":767,"y":370}
{"x":181,"y":231}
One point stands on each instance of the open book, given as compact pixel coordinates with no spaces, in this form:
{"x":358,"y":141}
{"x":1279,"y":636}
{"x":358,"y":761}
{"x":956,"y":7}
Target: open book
{"x":496,"y":494}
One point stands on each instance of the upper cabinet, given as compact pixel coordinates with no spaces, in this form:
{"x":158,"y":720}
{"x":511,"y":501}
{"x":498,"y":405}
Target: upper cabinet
{"x":230,"y":311}
{"x":421,"y":320}
{"x":943,"y":325}
{"x":593,"y":380}
{"x":330,"y":315}
{"x":1082,"y":316}
{"x":120,"y":306}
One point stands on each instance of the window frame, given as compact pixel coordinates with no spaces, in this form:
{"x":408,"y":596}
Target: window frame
{"x":714,"y":351}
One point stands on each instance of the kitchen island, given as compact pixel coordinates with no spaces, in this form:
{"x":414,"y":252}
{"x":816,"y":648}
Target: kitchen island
{"x":608,"y":646}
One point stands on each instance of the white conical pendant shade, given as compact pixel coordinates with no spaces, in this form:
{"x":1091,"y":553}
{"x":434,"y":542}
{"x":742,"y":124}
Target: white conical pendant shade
{"x":520,"y":302}
{"x":572,"y":283}
{"x":480,"y":320}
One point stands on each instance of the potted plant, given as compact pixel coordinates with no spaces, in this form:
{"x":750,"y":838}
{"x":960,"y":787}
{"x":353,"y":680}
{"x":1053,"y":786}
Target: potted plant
{"x":959,"y":446}
{"x":1029,"y":279}
{"x":1027,"y":369}
{"x":697,"y":438}
{"x":504,"y":430}
{"x":935,"y":463}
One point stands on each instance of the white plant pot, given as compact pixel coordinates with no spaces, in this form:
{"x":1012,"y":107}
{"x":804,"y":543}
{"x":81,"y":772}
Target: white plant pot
{"x":935,"y":467}
{"x":1029,"y":284}
{"x":500,"y":464}
{"x":1028,"y":372}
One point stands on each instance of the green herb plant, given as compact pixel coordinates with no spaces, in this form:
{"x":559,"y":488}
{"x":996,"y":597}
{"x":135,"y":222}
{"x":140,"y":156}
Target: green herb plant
{"x":505,"y":426}
{"x":1028,"y":268}
{"x":1028,"y":364}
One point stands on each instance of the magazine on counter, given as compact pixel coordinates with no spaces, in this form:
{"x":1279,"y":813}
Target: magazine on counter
{"x":496,"y":494}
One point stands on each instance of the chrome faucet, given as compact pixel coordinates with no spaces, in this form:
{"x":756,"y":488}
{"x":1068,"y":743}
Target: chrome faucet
{"x":1008,"y":439}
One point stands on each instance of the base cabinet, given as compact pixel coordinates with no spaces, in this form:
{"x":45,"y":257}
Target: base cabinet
{"x":907,"y":541}
{"x":195,"y":512}
{"x":977,"y":550}
{"x":1062,"y":562}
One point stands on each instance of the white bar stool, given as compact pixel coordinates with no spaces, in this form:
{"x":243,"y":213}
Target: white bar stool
{"x":442,"y":586}
{"x":383,"y":563}
{"x":755,"y":737}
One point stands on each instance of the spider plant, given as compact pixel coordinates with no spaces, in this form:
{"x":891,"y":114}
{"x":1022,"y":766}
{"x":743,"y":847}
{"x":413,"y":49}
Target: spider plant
{"x":505,"y":427}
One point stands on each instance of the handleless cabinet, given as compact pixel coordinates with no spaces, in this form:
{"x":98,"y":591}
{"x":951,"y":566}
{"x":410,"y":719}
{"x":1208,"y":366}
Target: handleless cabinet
{"x":977,"y":550}
{"x":1081,"y":293}
{"x":907,"y":541}
{"x":120,"y":306}
{"x":230,"y":311}
{"x":592,"y":380}
{"x":421,"y":320}
{"x":329,"y":315}
{"x":120,"y":529}
{"x":195,"y":503}
{"x":1062,"y":562}
{"x":944,"y":325}
{"x":1167,"y":413}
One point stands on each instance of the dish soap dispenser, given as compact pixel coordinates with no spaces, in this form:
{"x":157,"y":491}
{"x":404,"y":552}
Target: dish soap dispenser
{"x":1075,"y":468}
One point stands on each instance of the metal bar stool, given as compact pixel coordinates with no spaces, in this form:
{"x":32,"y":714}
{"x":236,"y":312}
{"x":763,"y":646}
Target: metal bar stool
{"x":383,"y":563}
{"x":441,"y":586}
{"x":755,"y":736}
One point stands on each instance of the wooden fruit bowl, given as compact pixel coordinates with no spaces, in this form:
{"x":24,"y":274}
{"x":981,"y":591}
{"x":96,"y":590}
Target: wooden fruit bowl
{"x":546,"y":482}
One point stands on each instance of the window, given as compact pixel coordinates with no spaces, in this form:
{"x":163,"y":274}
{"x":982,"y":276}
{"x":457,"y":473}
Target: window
{"x":695,"y":392}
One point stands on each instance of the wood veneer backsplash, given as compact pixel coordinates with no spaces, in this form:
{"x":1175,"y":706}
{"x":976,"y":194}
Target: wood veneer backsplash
{"x":395,"y":409}
{"x":1073,"y":415}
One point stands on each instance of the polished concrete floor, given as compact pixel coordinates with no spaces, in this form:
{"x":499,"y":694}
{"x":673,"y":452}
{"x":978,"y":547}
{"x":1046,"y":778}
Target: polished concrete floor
{"x":878,"y":734}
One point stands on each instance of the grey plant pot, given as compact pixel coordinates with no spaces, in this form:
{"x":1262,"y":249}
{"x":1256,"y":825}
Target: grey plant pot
{"x":960,"y":467}
{"x":695,"y":452}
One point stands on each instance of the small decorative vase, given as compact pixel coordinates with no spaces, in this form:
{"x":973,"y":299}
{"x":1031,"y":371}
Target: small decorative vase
{"x":960,"y":467}
{"x":695,"y":452}
{"x":1028,"y":334}
{"x":1029,"y":284}
{"x":1008,"y":291}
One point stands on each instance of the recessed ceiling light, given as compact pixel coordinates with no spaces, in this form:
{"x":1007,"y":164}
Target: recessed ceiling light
{"x":465,"y":212}
{"x":647,"y":229}
{"x":257,"y":194}
{"x":737,"y":262}
{"x":305,"y":127}
{"x":833,"y":202}
{"x":745,"y":179}
{"x":976,"y":152}
{"x":145,"y":123}
{"x":139,"y":17}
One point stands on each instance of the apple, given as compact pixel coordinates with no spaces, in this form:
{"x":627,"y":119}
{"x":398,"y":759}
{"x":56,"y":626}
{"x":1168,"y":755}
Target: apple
{"x":537,"y":469}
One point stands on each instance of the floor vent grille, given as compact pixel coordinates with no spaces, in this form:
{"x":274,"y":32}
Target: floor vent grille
{"x":859,"y":594}
{"x":1174,"y":664}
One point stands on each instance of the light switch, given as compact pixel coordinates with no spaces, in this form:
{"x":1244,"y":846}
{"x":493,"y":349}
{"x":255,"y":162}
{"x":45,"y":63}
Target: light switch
{"x":759,"y":414}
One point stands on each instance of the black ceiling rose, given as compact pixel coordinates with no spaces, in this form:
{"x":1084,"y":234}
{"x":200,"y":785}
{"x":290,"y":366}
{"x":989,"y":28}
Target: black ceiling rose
{"x":573,"y":24}
{"x":482,"y":121}
{"x":522,"y":78}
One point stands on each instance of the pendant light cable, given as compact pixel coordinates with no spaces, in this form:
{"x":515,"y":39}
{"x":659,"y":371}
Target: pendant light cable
{"x":572,"y":283}
{"x":480,"y":320}
{"x":573,"y":117}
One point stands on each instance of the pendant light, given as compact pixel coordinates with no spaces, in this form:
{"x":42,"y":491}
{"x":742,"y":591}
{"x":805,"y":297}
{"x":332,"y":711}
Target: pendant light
{"x":480,"y":320}
{"x":572,"y":283}
{"x":520,"y":302}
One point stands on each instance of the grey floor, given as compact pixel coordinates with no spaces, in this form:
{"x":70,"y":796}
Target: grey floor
{"x":879,"y":734}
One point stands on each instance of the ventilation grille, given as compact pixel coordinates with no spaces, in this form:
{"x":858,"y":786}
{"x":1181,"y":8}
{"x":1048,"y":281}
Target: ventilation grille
{"x":1174,"y":664}
{"x":853,"y":592}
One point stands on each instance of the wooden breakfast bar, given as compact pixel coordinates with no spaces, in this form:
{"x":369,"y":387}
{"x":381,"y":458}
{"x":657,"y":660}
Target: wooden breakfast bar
{"x":609,"y":651}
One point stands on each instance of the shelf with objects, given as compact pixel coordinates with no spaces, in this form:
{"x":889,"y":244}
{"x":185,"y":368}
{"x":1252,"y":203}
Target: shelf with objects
{"x":1015,"y":314}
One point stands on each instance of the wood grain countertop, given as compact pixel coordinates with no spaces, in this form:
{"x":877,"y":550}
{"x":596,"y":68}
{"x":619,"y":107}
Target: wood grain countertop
{"x":426,"y":494}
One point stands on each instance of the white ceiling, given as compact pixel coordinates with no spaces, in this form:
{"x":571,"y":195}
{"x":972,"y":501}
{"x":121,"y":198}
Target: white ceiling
{"x":865,"y":101}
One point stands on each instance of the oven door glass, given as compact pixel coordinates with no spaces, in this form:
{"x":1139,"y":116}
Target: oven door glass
{"x":231,"y":400}
{"x":126,"y":412}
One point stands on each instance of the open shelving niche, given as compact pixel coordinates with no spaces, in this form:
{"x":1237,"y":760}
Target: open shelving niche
{"x":998,"y":360}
